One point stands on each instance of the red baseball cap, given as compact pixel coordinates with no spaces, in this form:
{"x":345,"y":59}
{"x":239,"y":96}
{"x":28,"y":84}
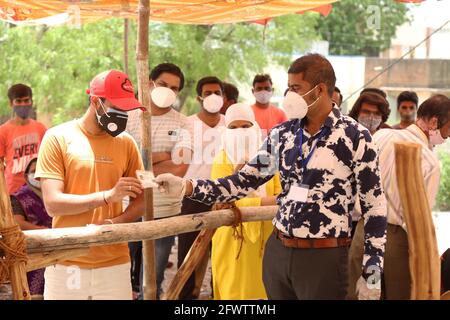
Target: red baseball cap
{"x":116,"y":87}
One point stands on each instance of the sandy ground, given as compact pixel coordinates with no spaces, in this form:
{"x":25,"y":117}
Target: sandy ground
{"x":206,"y":291}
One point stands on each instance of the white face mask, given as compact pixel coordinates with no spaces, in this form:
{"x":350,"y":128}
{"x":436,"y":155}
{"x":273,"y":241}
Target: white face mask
{"x":263,"y":96}
{"x":163,"y":97}
{"x":212,"y":103}
{"x":241,"y":144}
{"x":370,"y":122}
{"x":295,"y":106}
{"x":436,"y":137}
{"x":33,"y":182}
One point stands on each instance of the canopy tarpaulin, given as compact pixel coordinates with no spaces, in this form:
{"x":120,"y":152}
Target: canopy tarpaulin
{"x":172,"y":11}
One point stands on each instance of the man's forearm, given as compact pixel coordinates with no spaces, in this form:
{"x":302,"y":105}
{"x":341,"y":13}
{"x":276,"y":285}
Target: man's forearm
{"x":135,"y":210}
{"x":65,"y":204}
{"x":170,"y":167}
{"x":158,"y":157}
{"x":374,"y":244}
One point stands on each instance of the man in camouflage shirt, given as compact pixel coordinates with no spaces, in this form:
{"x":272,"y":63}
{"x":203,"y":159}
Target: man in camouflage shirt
{"x":326,"y":160}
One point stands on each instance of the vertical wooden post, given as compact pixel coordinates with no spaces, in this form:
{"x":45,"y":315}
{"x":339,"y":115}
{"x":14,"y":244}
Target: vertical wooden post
{"x":17,"y":272}
{"x":125,"y":44}
{"x":148,"y":251}
{"x":424,"y":261}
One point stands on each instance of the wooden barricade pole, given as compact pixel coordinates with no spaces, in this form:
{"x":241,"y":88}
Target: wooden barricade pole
{"x":198,"y":250}
{"x":13,"y":260}
{"x":148,"y":247}
{"x":424,"y":261}
{"x":45,"y":240}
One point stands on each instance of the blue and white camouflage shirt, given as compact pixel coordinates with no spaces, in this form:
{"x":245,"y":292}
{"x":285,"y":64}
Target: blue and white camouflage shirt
{"x":343,"y":165}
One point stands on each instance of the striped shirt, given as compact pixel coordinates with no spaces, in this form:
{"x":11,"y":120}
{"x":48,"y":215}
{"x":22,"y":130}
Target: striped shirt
{"x":385,"y":140}
{"x":344,"y":164}
{"x":169,"y":131}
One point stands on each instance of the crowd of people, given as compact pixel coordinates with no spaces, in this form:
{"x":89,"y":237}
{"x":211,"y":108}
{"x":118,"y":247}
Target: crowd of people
{"x":339,"y":232}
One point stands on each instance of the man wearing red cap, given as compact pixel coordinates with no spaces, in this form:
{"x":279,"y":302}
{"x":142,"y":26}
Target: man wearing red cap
{"x":87,"y":166}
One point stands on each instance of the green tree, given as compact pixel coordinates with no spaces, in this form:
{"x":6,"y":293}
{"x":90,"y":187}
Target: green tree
{"x":362,"y":27}
{"x":59,"y":62}
{"x":232,"y":52}
{"x":443,"y":197}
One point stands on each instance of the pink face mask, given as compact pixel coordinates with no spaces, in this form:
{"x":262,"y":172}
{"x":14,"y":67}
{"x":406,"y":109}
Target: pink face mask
{"x":436,"y":137}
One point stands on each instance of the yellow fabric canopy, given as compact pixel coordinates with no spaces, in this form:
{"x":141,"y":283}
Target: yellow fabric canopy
{"x":173,"y":11}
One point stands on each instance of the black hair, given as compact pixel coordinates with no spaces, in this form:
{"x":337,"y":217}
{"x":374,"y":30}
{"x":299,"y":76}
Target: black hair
{"x":167,"y":68}
{"x":336,"y":89}
{"x":19,"y":90}
{"x":316,"y":69}
{"x":90,"y":101}
{"x":28,"y":167}
{"x":435,"y":106}
{"x":374,"y":90}
{"x":208,"y":80}
{"x":371,"y":98}
{"x":230,"y":91}
{"x":407,"y":96}
{"x":262,"y":78}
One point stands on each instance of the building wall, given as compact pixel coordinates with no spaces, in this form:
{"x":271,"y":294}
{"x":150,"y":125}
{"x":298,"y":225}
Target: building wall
{"x":424,"y":76}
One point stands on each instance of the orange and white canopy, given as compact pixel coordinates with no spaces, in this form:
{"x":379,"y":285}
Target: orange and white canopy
{"x":172,"y":11}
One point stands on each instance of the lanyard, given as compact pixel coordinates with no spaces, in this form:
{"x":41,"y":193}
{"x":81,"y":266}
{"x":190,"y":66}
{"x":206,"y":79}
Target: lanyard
{"x":305,"y":161}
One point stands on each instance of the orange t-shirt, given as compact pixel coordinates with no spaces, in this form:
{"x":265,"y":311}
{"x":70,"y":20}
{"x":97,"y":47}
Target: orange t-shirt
{"x":18,"y":145}
{"x":88,"y":163}
{"x":269,"y":117}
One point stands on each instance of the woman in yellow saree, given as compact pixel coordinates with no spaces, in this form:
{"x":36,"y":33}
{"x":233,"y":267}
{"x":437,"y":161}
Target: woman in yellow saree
{"x":236,"y":266}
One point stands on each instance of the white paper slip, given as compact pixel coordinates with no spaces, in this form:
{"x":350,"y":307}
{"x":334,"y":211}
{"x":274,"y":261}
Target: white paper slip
{"x":298,"y":193}
{"x":147,"y":179}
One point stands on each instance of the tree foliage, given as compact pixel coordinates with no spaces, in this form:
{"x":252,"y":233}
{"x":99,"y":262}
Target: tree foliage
{"x":362,"y":27}
{"x":443,"y":197}
{"x":59,"y":62}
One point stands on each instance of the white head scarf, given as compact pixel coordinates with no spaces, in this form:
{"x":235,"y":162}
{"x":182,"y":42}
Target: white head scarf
{"x":239,"y":111}
{"x":242,"y":144}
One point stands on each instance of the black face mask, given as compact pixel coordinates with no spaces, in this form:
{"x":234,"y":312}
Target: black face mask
{"x":113,"y":121}
{"x":23,"y":111}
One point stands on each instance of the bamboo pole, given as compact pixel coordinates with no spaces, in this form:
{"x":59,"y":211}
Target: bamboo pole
{"x":148,"y":247}
{"x":82,"y":237}
{"x":198,"y":250}
{"x":424,"y":261}
{"x":44,"y":259}
{"x":126,"y":29}
{"x":17,"y":272}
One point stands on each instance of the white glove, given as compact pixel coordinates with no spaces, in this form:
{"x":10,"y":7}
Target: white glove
{"x":368,"y":291}
{"x":171,"y":185}
{"x":165,"y":206}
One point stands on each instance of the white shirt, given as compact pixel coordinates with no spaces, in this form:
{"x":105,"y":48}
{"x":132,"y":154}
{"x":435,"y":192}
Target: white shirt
{"x":169,"y":131}
{"x":206,"y":145}
{"x":385,"y":140}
